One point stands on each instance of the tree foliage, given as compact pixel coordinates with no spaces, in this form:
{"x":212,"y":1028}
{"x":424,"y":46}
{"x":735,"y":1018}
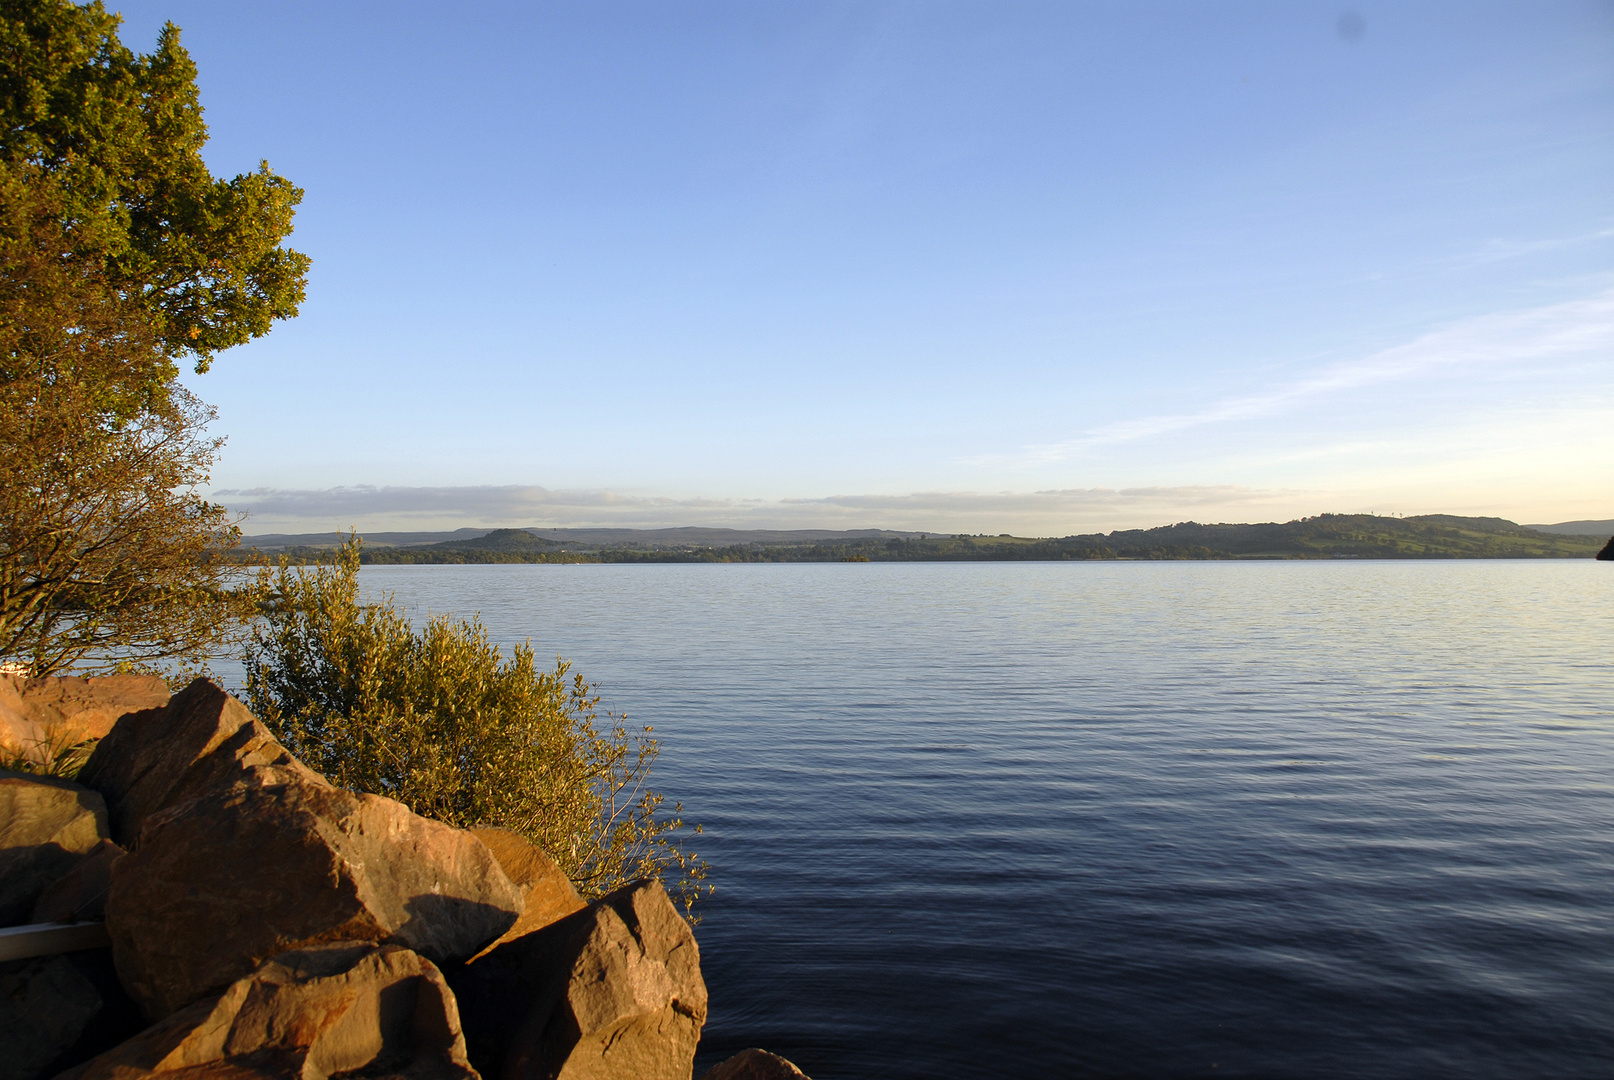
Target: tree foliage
{"x":119,"y":136}
{"x":107,"y":552}
{"x":442,"y":721}
{"x":120,"y":254}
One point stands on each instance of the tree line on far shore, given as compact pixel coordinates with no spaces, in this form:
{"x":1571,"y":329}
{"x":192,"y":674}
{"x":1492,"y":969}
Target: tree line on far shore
{"x":1325,"y":536}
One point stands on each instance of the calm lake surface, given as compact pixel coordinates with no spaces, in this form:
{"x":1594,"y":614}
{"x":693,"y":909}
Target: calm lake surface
{"x":1321,"y":819}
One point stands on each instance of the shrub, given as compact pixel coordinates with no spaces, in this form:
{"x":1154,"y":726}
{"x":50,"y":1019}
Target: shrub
{"x":443,"y":722}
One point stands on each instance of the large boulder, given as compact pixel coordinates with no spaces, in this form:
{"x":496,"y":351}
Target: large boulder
{"x":39,"y":714}
{"x":754,"y":1064}
{"x":80,"y":894}
{"x":613,"y":992}
{"x":280,"y":860}
{"x":546,"y":893}
{"x":56,"y":1011}
{"x":46,"y":825}
{"x":152,"y":759}
{"x":307,"y":1015}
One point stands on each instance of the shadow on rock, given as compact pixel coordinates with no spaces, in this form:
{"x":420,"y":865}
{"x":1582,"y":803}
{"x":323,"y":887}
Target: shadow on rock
{"x":307,"y":1014}
{"x":614,"y":990}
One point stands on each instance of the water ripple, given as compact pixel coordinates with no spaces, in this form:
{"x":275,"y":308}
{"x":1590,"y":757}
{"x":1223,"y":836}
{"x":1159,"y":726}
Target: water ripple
{"x":1153,"y":820}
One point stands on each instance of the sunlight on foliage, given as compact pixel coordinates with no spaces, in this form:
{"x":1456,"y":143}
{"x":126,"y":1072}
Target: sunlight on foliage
{"x":109,"y":552}
{"x":443,"y":722}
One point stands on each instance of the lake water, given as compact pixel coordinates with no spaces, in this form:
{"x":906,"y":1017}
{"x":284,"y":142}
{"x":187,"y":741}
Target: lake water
{"x":1318,"y":819}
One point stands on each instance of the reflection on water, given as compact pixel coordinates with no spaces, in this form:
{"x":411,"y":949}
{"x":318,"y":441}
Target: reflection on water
{"x":1179,"y":819}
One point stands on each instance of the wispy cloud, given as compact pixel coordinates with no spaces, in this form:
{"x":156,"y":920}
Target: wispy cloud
{"x":1069,"y":500}
{"x":1512,"y":338}
{"x":1052,"y":512}
{"x":1413,"y":481}
{"x":469,"y":504}
{"x":1498,"y":249}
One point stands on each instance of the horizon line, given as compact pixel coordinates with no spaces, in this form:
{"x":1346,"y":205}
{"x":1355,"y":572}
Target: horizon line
{"x":1605,"y":523}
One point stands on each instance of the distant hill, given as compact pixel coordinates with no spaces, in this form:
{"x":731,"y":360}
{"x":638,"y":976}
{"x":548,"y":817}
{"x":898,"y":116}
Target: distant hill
{"x":501,"y":540}
{"x":1326,"y":536}
{"x":1605,"y":527}
{"x":473,"y":539}
{"x":1436,"y":536}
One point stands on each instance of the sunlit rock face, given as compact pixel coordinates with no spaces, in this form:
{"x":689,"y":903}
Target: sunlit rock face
{"x":46,"y":826}
{"x":37,"y":715}
{"x":307,"y":1014}
{"x":614,"y":990}
{"x":265,"y":921}
{"x":202,"y":738}
{"x":754,"y":1064}
{"x":279,"y":860}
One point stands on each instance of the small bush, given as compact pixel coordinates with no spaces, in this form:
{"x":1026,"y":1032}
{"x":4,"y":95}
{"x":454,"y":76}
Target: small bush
{"x":441,"y":721}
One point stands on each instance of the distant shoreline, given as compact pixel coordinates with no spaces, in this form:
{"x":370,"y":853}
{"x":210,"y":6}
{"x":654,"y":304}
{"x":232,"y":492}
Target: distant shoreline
{"x":1326,"y":536}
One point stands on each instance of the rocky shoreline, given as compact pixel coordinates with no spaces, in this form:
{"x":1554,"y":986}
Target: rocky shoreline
{"x":199,"y":903}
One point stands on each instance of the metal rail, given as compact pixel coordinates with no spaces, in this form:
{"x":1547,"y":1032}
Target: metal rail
{"x":45,"y":939}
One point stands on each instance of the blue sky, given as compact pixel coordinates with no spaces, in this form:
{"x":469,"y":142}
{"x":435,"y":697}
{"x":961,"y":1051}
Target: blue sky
{"x":1040,"y":268}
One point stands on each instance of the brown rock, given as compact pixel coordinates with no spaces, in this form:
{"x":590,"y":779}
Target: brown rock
{"x":153,"y":759}
{"x":80,"y":894}
{"x":754,"y":1064}
{"x":307,"y":1015}
{"x":613,"y":991}
{"x":46,"y":825}
{"x":45,"y":1005}
{"x":56,"y":1011}
{"x":548,"y":895}
{"x":36,"y":714}
{"x":281,"y":860}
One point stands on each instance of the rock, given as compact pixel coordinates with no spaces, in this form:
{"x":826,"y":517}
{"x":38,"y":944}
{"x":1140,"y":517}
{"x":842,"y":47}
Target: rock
{"x":152,"y":759}
{"x":613,"y":991}
{"x":57,"y":1011}
{"x":754,"y":1064}
{"x":36,"y":714}
{"x":45,"y":1005}
{"x":307,"y":1015}
{"x":46,"y":825}
{"x":545,"y":890}
{"x":281,"y":860}
{"x":1607,"y":554}
{"x":80,"y":894}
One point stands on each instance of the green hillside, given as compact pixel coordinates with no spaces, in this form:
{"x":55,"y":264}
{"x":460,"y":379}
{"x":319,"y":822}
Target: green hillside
{"x":503,"y":540}
{"x":1438,"y":536}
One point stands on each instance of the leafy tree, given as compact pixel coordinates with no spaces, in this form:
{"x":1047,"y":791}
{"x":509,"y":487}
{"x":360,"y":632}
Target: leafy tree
{"x":107,"y":552}
{"x":441,"y":721}
{"x":120,"y":255}
{"x":119,"y":136}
